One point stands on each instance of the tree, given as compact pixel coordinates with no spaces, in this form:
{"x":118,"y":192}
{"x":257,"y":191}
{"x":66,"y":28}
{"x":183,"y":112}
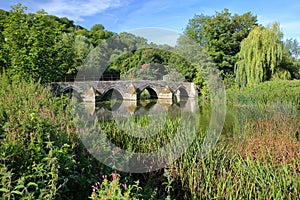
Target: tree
{"x":291,"y":58}
{"x":31,"y":45}
{"x":98,"y":33}
{"x":261,"y":54}
{"x":73,"y":50}
{"x":221,"y":35}
{"x":292,"y":47}
{"x":3,"y":57}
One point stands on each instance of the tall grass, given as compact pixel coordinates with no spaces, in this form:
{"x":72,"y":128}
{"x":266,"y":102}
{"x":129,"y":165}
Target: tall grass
{"x":284,"y":92}
{"x":261,"y":163}
{"x":256,"y":157}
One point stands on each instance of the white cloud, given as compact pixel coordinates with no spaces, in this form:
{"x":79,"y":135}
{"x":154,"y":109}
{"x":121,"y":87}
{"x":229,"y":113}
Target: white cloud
{"x":77,"y":9}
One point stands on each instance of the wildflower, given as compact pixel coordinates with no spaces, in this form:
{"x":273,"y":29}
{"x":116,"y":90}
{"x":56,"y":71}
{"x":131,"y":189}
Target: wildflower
{"x":114,"y":175}
{"x":94,"y":188}
{"x":27,"y":134}
{"x":8,"y":129}
{"x":124,"y":185}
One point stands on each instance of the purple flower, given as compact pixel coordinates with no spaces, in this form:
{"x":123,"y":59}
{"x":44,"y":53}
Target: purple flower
{"x":114,"y":175}
{"x":8,"y":129}
{"x":124,"y":185}
{"x":27,"y":134}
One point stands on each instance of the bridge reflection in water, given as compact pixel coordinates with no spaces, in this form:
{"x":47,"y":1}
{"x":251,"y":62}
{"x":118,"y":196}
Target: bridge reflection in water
{"x":126,"y":108}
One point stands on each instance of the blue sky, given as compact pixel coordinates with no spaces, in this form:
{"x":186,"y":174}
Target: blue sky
{"x":126,"y":15}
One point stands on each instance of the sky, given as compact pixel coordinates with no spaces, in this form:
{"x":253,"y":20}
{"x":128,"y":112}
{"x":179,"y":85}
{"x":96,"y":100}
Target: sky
{"x":167,"y":16}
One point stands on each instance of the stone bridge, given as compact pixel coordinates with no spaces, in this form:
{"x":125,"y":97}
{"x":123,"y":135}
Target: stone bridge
{"x":92,"y":91}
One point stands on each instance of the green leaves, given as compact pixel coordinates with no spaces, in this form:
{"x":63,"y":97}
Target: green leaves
{"x":30,"y":43}
{"x":261,"y":53}
{"x":221,"y":35}
{"x":98,"y":34}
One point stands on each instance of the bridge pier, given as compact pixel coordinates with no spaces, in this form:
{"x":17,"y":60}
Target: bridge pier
{"x":89,"y":95}
{"x":165,"y":93}
{"x":130,"y":93}
{"x":89,"y":100}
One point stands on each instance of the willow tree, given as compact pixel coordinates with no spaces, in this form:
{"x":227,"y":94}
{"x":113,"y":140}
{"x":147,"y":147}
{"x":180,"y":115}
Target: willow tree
{"x":261,"y":53}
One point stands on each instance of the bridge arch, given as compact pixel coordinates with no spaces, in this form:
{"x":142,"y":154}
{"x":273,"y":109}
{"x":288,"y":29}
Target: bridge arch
{"x":181,"y":93}
{"x":151,"y":90}
{"x":111,"y":93}
{"x":72,"y":91}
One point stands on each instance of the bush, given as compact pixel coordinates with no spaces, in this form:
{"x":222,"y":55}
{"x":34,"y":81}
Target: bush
{"x":40,"y":153}
{"x":266,"y":93}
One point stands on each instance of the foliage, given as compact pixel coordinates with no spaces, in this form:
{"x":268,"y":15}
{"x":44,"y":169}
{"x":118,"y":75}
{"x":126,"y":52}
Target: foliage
{"x":157,"y":62}
{"x":49,"y":162}
{"x":160,"y":62}
{"x":114,"y":189}
{"x":102,"y":60}
{"x":293,"y":48}
{"x":44,"y":46}
{"x":290,"y":65}
{"x":256,"y":156}
{"x":272,"y":138}
{"x":30,"y":43}
{"x":200,"y":62}
{"x":73,"y":50}
{"x":98,"y":33}
{"x":3,"y":15}
{"x":36,"y":142}
{"x":225,"y":174}
{"x":41,"y":156}
{"x":268,"y":92}
{"x":221,"y":35}
{"x":261,"y":54}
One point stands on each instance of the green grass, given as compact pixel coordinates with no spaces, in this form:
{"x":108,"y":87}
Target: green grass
{"x":256,"y":157}
{"x":266,"y":93}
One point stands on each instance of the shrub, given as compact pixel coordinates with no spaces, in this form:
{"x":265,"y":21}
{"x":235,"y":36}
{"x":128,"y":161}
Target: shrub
{"x":266,"y":93}
{"x":41,"y":156}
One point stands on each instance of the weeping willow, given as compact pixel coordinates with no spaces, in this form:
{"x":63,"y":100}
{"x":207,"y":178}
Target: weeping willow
{"x":261,"y":52}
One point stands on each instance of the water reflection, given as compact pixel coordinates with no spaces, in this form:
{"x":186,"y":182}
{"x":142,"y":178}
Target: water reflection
{"x":123,"y":109}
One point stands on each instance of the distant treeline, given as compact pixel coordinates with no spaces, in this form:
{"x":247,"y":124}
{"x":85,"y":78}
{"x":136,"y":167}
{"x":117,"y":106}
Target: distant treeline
{"x":50,"y":48}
